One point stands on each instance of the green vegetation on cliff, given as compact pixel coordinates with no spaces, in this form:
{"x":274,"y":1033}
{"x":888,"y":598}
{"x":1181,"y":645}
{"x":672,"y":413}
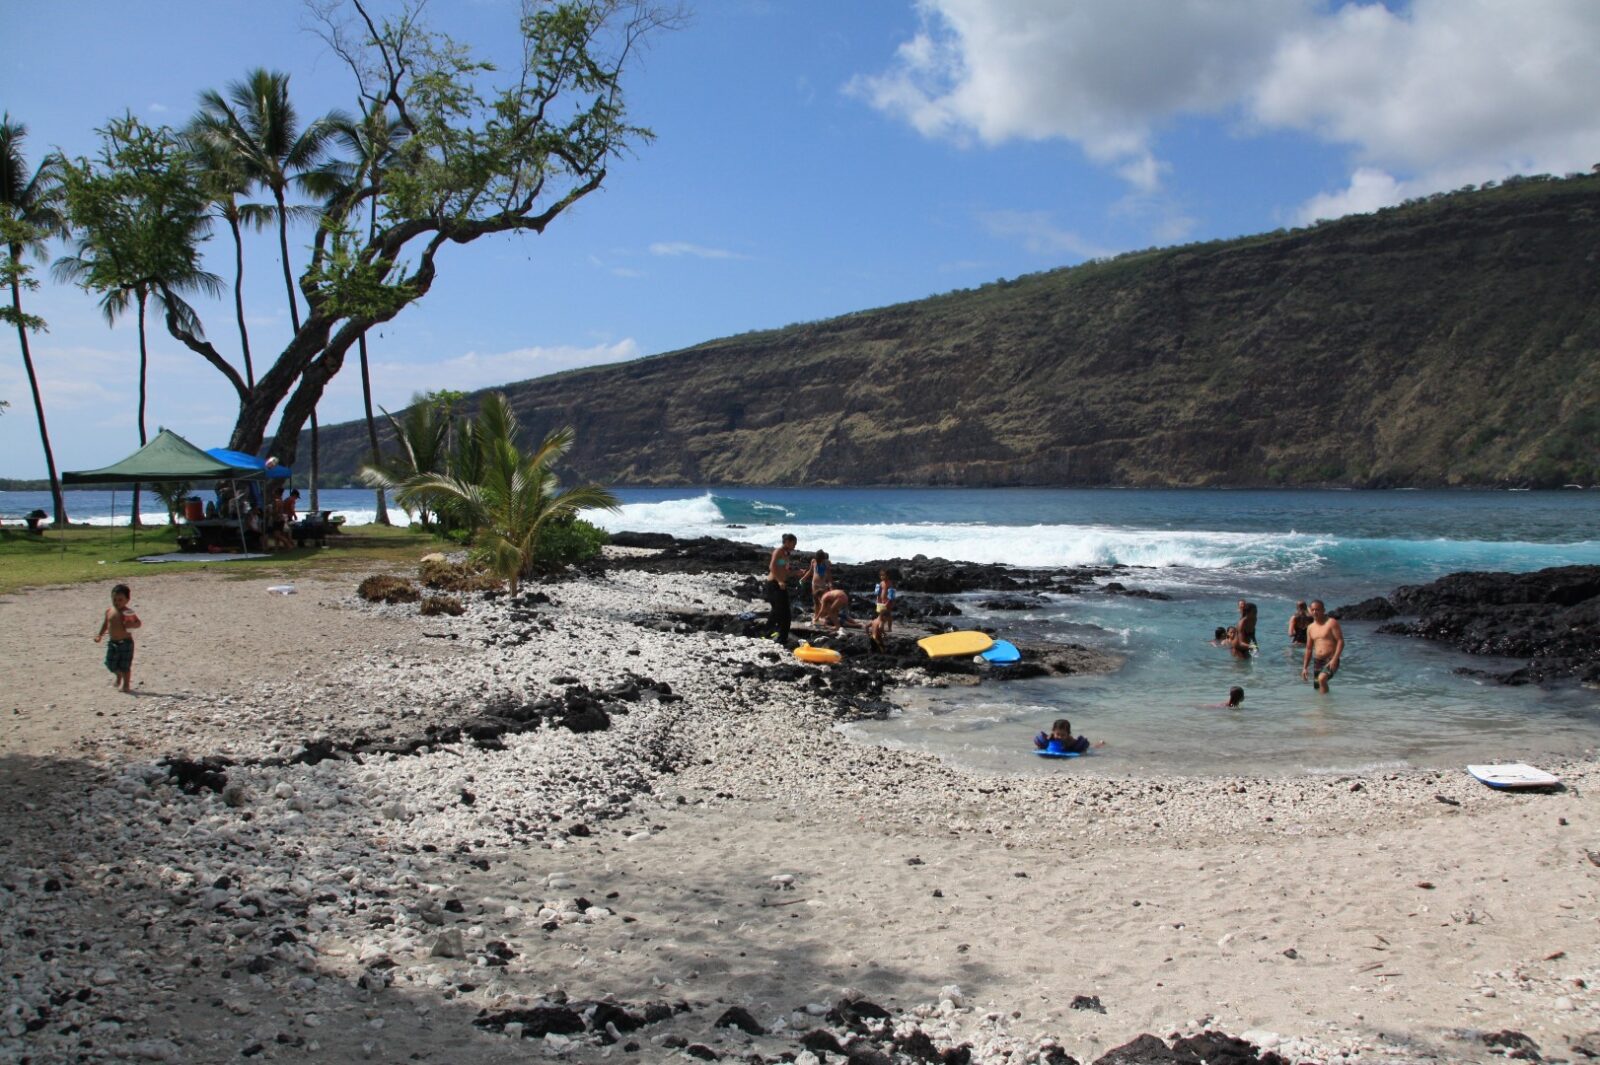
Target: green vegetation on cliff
{"x":1454,"y":341}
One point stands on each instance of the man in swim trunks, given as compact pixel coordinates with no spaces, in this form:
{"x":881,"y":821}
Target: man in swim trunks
{"x":777,"y":587}
{"x":1324,"y":646}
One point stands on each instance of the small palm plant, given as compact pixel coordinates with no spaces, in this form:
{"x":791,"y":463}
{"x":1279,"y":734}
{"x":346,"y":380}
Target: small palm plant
{"x":422,"y":435}
{"x":510,"y":497}
{"x":173,"y":494}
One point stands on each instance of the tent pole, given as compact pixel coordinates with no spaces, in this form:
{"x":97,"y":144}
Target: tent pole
{"x":244,"y":546}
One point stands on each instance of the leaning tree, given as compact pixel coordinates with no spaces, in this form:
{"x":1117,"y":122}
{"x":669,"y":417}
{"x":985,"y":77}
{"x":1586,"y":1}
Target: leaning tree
{"x":474,"y":151}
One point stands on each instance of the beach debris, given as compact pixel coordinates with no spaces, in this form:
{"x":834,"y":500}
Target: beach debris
{"x":281,"y":589}
{"x":1425,"y":885}
{"x":1087,"y":1002}
{"x":1447,"y":800}
{"x":783,"y":881}
{"x":1594,"y":857}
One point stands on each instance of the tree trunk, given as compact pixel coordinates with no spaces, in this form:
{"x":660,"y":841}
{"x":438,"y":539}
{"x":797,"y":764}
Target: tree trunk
{"x":283,"y":249}
{"x":144,"y":374}
{"x":56,"y":499}
{"x":238,"y":300}
{"x":280,"y":379}
{"x":294,"y":319}
{"x":316,"y":463}
{"x":382,"y":517}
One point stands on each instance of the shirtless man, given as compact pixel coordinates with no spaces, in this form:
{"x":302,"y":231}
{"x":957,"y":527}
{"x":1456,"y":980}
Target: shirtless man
{"x":1324,"y":646}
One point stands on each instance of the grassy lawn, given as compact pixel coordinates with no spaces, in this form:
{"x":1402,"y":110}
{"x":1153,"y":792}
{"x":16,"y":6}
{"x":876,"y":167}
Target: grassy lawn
{"x":100,"y":553}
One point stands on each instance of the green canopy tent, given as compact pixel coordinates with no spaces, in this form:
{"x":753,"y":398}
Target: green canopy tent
{"x":169,"y":457}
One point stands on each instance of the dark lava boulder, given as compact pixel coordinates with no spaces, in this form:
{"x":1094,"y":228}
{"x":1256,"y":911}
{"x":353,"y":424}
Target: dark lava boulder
{"x":1549,"y":618}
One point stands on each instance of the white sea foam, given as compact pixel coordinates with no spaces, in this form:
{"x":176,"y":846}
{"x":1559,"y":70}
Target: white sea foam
{"x":1031,"y":545}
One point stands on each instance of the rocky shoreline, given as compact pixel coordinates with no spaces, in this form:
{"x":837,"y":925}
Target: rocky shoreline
{"x":1549,"y":618}
{"x":583,"y":825}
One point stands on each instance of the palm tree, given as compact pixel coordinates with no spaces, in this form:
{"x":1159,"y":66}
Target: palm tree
{"x":372,"y":143}
{"x":30,"y":210}
{"x":173,"y":494}
{"x":423,"y":436}
{"x":256,"y":125}
{"x":513,"y":498}
{"x":223,"y":180}
{"x":140,"y":219}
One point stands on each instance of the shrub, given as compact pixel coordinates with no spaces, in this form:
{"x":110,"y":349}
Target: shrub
{"x":384,"y":588}
{"x":567,"y":543}
{"x":441,"y":604}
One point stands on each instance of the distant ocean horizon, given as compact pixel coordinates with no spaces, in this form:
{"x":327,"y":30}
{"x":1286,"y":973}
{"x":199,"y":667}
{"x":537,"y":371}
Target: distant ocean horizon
{"x":1396,"y":702}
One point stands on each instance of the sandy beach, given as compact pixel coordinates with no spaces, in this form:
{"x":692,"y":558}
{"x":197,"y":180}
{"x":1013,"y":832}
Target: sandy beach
{"x":721,"y":844}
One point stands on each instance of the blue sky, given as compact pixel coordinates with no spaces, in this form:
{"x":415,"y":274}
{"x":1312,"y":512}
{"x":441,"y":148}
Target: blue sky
{"x":817,"y":158}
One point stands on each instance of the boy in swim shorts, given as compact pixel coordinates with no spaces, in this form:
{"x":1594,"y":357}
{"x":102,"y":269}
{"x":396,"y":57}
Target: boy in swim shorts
{"x":118,"y":621}
{"x":883,"y":598}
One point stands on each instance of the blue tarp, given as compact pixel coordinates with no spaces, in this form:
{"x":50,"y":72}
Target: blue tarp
{"x":239,"y":458}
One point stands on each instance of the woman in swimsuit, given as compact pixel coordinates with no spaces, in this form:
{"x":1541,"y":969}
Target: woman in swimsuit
{"x":777,"y":587}
{"x":1298,"y":621}
{"x":820,"y":574}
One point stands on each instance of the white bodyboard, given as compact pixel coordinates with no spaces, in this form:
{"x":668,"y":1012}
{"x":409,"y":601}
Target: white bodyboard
{"x":1513,"y":775}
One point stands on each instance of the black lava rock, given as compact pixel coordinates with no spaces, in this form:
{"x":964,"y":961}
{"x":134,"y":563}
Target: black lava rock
{"x":1550,"y":619}
{"x":739,"y":1017}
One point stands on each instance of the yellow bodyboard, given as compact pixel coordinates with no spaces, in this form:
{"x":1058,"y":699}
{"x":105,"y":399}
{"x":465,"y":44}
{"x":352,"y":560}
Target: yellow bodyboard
{"x":951,"y":644}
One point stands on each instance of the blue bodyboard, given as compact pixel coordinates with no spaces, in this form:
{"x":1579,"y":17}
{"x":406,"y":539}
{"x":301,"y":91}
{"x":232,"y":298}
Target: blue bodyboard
{"x":1044,"y":753}
{"x":1003,"y":653}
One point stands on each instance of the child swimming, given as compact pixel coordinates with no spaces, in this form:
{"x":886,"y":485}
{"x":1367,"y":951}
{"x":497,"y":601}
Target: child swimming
{"x":1060,"y":739}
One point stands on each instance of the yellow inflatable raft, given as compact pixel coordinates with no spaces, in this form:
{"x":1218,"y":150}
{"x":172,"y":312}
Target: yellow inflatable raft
{"x":817,"y":656}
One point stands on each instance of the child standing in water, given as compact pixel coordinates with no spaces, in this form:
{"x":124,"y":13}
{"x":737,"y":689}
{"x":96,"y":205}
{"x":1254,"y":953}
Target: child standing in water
{"x":883,"y":597}
{"x":118,"y":623}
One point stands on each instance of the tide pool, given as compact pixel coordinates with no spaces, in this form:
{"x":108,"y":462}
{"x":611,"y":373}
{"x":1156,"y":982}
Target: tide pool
{"x":1395,"y":703}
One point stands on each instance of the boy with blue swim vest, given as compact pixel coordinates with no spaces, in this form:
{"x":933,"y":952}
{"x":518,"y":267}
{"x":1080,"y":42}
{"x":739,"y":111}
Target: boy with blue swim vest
{"x":1061,"y":740}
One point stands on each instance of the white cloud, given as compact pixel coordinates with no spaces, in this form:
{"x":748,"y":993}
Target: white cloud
{"x":1369,"y":189}
{"x":1104,"y":74}
{"x":1438,"y":94}
{"x":159,"y":108}
{"x":1038,"y":233}
{"x":680,"y":247}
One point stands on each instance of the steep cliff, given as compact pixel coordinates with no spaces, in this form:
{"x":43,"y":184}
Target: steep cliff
{"x":1454,"y":341}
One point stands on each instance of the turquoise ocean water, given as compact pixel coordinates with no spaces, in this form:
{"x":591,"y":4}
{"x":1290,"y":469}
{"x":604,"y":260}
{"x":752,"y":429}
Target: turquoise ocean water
{"x":1395,"y":703}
